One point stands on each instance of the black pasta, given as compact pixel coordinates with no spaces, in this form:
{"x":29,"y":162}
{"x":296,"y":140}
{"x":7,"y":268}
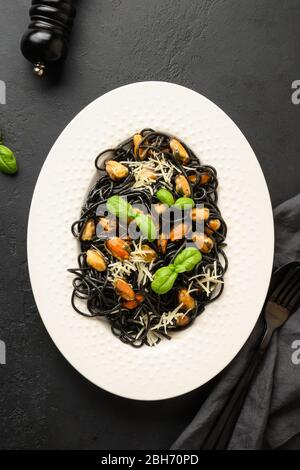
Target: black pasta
{"x":95,"y":289}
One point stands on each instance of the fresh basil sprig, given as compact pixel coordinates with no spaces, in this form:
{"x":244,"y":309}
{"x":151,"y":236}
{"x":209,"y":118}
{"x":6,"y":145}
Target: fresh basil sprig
{"x":165,"y":277}
{"x":184,"y":203}
{"x":165,"y":196}
{"x":146,"y":225}
{"x":187,"y":259}
{"x":119,"y":207}
{"x":8,"y":162}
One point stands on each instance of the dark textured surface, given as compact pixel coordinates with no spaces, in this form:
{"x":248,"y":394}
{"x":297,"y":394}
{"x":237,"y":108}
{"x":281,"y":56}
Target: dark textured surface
{"x":242,"y":54}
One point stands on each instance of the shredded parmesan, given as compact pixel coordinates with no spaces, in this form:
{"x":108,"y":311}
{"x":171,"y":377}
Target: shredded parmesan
{"x":168,"y":318}
{"x":164,"y":167}
{"x":208,"y":280}
{"x":137,"y":257}
{"x":152,"y":336}
{"x":120,"y":269}
{"x":156,"y":164}
{"x":136,"y":263}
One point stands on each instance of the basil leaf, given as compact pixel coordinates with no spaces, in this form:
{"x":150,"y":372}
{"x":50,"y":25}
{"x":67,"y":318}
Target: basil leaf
{"x":8,"y":163}
{"x":119,"y":207}
{"x":179,"y":269}
{"x":184,"y":203}
{"x":165,"y":196}
{"x":146,"y":225}
{"x":163,"y":280}
{"x":187,"y":259}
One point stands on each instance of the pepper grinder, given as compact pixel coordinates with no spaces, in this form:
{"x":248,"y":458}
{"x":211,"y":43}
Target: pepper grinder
{"x":46,"y":40}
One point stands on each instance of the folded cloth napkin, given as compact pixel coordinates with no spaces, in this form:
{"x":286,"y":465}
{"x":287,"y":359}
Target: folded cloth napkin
{"x":271,"y":412}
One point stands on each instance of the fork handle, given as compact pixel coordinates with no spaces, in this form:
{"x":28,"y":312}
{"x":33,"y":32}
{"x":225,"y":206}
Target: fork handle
{"x":219,"y":437}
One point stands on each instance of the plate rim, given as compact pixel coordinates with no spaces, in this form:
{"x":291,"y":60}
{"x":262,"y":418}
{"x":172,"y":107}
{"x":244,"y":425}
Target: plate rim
{"x":30,"y":223}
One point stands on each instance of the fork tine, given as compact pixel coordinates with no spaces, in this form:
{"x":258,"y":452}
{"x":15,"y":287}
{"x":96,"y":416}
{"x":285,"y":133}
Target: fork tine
{"x":294,"y":302}
{"x":282,"y":285}
{"x":295,"y":288}
{"x":285,"y":292}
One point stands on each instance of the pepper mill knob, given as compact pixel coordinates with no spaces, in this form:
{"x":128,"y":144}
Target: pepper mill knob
{"x":46,"y":39}
{"x":39,"y":69}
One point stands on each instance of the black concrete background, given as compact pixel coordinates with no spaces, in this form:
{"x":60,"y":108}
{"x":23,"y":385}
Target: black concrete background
{"x":243,"y":55}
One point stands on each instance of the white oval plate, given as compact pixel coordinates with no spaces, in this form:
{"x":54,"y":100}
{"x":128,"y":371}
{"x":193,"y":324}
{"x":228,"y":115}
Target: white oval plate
{"x":197,"y":354}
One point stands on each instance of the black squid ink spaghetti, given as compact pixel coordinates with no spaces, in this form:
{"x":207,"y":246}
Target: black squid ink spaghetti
{"x":152,"y":240}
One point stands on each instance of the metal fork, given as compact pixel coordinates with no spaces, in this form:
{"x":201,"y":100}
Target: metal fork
{"x":283,"y":300}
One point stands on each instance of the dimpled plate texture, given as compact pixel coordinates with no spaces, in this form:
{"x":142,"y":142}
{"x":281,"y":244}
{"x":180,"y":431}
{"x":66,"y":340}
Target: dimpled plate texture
{"x":197,"y":354}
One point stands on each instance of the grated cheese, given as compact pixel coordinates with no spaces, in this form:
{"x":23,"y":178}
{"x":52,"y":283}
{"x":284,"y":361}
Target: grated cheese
{"x":120,"y":269}
{"x":152,"y":336}
{"x":158,"y":164}
{"x":207,"y":280}
{"x":137,"y":257}
{"x":168,"y":318}
{"x":136,"y":262}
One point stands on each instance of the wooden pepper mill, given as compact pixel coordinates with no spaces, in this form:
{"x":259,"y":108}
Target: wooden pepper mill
{"x":46,"y":40}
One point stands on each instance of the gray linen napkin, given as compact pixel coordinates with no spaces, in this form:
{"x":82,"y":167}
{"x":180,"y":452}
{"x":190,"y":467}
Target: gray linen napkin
{"x":271,"y":412}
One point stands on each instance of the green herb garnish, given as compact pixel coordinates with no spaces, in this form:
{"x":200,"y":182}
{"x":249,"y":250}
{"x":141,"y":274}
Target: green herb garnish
{"x":187,"y":259}
{"x":119,"y":207}
{"x":165,"y":277}
{"x":165,"y":196}
{"x":8,"y":162}
{"x":184,"y":203}
{"x":146,"y":225}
